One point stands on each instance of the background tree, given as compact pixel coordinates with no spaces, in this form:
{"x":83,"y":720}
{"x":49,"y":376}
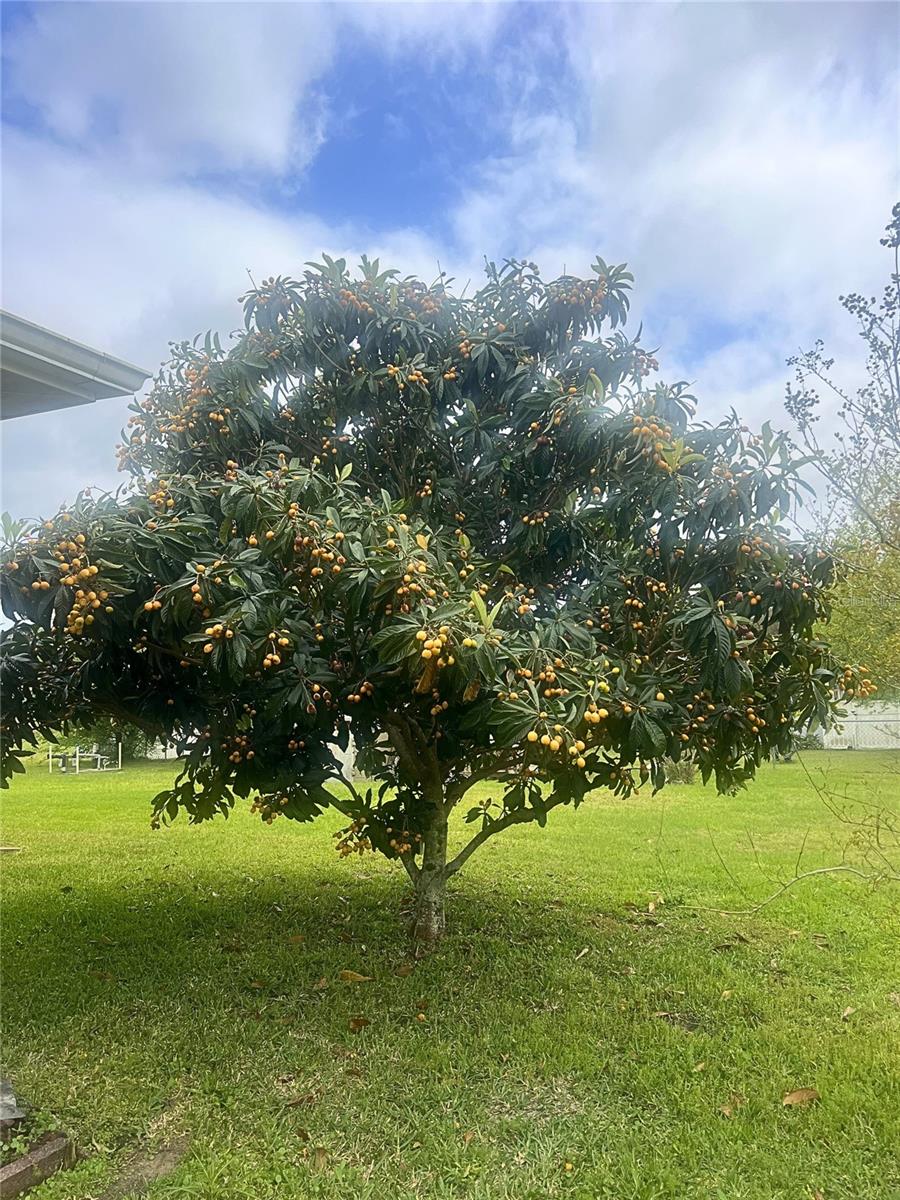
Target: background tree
{"x":468,"y":529}
{"x":859,"y":517}
{"x":860,"y":459}
{"x":864,"y":625}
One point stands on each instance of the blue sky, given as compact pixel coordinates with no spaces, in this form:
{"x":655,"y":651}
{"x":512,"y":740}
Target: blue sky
{"x":741,"y":157}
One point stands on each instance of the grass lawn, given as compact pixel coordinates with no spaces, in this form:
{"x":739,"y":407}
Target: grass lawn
{"x":180,"y":991}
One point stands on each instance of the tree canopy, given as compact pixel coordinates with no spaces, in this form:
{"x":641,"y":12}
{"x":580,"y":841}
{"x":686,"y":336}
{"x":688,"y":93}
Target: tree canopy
{"x":474,"y":531}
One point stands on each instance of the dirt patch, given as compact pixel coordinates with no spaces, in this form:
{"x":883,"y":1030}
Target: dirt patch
{"x":143,"y":1169}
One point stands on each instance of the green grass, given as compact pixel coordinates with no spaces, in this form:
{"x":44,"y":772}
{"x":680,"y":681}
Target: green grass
{"x":152,"y":991}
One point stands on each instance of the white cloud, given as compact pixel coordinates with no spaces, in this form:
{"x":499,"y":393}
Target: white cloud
{"x":183,"y":86}
{"x":190,"y":87}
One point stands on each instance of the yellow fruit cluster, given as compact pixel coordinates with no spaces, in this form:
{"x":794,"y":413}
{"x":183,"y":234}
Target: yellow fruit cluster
{"x":654,"y":437}
{"x":216,"y":632}
{"x":433,"y":647}
{"x":556,"y":741}
{"x":579,"y":293}
{"x":857,"y":684}
{"x":351,"y":300}
{"x":240,"y":748}
{"x":278,"y":640}
{"x":352,"y":840}
{"x":83,"y":608}
{"x":269,"y":811}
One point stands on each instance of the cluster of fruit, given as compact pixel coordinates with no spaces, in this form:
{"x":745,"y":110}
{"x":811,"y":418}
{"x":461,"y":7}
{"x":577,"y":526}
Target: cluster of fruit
{"x":421,"y":300}
{"x":365,"y":689}
{"x":220,"y":420}
{"x":434,"y":646}
{"x":755,"y":546}
{"x":350,"y":299}
{"x":160,"y":497}
{"x":320,"y":695}
{"x":555,"y":742}
{"x":644,"y":363}
{"x":197,"y":597}
{"x":238,"y":748}
{"x":856,"y":683}
{"x":595,"y":715}
{"x":269,"y":811}
{"x":83,"y":609}
{"x":413,"y":585}
{"x":653,"y":436}
{"x":578,"y":293}
{"x":403,"y":378}
{"x":403,"y":840}
{"x":756,"y":721}
{"x":352,"y":840}
{"x":278,"y":640}
{"x":216,"y":632}
{"x":537,"y":518}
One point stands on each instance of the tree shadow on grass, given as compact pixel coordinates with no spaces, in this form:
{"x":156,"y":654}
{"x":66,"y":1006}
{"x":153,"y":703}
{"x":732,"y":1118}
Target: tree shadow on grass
{"x":238,"y":943}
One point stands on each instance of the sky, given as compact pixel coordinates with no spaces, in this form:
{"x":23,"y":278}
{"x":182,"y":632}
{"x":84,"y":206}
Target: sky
{"x":742,"y":158}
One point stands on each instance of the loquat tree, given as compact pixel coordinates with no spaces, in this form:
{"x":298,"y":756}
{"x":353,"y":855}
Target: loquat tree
{"x":469,"y":531}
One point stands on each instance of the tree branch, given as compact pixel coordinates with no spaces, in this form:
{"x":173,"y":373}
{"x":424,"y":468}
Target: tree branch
{"x":519,"y":816}
{"x":749,"y":912}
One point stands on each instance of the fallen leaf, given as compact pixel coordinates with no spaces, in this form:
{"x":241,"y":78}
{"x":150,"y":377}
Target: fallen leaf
{"x":358,"y":1023}
{"x":799,"y":1097}
{"x":106,"y":976}
{"x":403,"y":970}
{"x":727,"y":994}
{"x":582,"y":953}
{"x":302,"y":1101}
{"x":258,"y":984}
{"x":700,"y":1066}
{"x":320,"y":985}
{"x":420,"y":1016}
{"x":320,"y":1158}
{"x":817,"y":1195}
{"x":296,"y":938}
{"x":735,"y":1101}
{"x":848,"y":1013}
{"x":353,"y":977}
{"x":467,"y":1137}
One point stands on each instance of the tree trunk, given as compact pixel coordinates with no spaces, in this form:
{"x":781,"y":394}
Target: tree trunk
{"x":428,"y":920}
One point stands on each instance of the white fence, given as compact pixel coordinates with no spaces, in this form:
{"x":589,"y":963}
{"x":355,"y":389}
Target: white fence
{"x":872,"y":726}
